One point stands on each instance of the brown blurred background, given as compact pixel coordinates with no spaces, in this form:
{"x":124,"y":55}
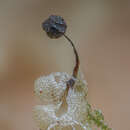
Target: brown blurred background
{"x":101,"y":32}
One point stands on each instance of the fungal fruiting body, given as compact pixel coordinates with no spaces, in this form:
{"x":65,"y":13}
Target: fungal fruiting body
{"x":60,"y":88}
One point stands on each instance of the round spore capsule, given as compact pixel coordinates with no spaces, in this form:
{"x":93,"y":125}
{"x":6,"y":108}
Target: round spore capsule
{"x":54,"y":26}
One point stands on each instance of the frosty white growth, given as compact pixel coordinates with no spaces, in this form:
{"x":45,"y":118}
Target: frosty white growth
{"x":59,"y":88}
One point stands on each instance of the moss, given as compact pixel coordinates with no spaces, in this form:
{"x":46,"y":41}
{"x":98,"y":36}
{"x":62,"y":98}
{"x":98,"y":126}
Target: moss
{"x":95,"y":117}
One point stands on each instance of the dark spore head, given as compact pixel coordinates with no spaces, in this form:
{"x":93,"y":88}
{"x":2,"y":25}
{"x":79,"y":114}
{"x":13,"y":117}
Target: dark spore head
{"x":54,"y":26}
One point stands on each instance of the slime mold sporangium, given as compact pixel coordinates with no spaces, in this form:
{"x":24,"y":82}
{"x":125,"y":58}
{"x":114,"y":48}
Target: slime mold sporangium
{"x":59,"y":88}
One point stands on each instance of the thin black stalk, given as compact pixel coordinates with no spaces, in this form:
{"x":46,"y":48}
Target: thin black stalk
{"x":76,"y":67}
